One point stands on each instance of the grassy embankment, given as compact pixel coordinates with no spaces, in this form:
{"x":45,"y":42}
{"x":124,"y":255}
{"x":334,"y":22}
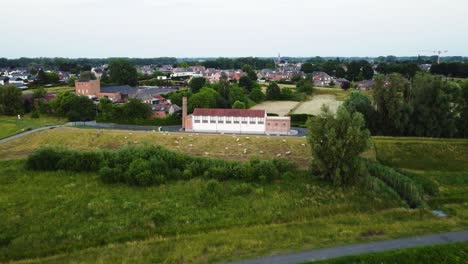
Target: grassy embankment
{"x":443,"y":254}
{"x":61,"y":217}
{"x":10,"y":125}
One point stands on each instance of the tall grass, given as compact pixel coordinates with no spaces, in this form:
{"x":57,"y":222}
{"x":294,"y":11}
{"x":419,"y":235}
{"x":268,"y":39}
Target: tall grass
{"x":407,"y":189}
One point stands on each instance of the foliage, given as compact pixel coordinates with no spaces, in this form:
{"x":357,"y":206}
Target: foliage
{"x":132,"y":112}
{"x":454,"y":69}
{"x":147,"y":165}
{"x":389,"y":93}
{"x":336,"y":144}
{"x":73,"y":107}
{"x":403,"y":185}
{"x":206,"y":98}
{"x":273,"y":92}
{"x":197,"y":83}
{"x":257,"y":95}
{"x":87,"y":76}
{"x":434,"y":105}
{"x":11,"y":100}
{"x":358,"y":102}
{"x":238,"y":105}
{"x":305,"y":86}
{"x":121,"y":71}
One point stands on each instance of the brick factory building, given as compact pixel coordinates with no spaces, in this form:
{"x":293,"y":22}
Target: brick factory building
{"x":242,"y":121}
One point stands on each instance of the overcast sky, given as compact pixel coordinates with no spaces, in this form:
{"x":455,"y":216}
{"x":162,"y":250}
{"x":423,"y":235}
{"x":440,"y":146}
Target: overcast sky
{"x":232,"y":28}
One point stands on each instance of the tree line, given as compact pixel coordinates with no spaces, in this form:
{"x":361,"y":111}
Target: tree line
{"x":79,"y":64}
{"x":426,"y":106}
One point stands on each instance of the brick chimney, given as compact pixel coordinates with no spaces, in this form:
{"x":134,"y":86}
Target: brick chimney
{"x":184,"y":112}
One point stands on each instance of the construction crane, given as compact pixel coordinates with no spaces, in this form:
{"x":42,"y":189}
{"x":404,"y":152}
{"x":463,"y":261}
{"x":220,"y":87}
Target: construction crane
{"x":438,"y":52}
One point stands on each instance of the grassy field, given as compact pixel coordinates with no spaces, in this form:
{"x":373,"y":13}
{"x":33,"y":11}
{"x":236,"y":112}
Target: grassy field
{"x":443,"y":254}
{"x":10,"y":125}
{"x":56,"y":89}
{"x":62,"y":217}
{"x":314,"y":106}
{"x":281,"y":108}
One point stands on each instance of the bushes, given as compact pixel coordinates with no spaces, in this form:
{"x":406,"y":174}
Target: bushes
{"x":149,"y":165}
{"x":404,"y":186}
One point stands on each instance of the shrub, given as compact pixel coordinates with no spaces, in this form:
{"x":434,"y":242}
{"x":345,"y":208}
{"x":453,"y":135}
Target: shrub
{"x":44,"y":159}
{"x":147,"y":165}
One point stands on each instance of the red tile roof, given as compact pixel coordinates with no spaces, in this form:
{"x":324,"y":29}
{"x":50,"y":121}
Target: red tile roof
{"x":228,"y":112}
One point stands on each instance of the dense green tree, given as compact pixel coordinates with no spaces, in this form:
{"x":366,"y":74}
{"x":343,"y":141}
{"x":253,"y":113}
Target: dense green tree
{"x":250,"y":71}
{"x":87,"y":76}
{"x":104,"y":78}
{"x":11,"y":100}
{"x":238,"y":105}
{"x":273,"y":92}
{"x":106,"y":110}
{"x":305,"y":86}
{"x":287,"y":94}
{"x":206,"y":98}
{"x":71,"y":81}
{"x":246,"y":83}
{"x":462,"y":122}
{"x":121,"y":71}
{"x":41,"y":77}
{"x":308,"y":68}
{"x":196,"y":84}
{"x":39,"y":93}
{"x":367,"y":71}
{"x":52,"y":78}
{"x":237,"y":94}
{"x":434,"y":102}
{"x":73,"y":107}
{"x":392,"y":109}
{"x":336,"y":143}
{"x":358,"y":102}
{"x":135,"y":109}
{"x":257,"y":95}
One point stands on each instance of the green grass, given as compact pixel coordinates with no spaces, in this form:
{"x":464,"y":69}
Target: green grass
{"x":47,"y":213}
{"x":441,"y":254}
{"x":55,"y":89}
{"x":10,"y":125}
{"x":423,"y":153}
{"x":62,"y":217}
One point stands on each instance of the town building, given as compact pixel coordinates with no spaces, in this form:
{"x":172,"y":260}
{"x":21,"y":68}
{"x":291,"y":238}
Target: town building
{"x":241,"y":121}
{"x":119,"y":93}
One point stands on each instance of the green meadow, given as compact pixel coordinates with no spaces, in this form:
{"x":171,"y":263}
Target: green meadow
{"x":61,"y":217}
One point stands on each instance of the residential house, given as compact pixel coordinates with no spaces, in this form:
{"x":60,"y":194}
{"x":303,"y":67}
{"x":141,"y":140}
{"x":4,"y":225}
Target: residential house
{"x":321,"y":78}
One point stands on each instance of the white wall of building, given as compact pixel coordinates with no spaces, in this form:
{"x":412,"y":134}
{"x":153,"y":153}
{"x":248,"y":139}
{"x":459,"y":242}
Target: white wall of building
{"x":250,"y":125}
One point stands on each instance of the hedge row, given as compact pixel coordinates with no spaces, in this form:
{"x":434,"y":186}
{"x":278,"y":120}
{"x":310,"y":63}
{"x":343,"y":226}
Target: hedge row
{"x":405,"y":187}
{"x":149,"y":165}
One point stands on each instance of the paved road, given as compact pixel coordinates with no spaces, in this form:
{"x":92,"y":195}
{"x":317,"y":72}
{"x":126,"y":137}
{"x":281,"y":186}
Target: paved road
{"x":355,"y":249}
{"x":28,"y":132}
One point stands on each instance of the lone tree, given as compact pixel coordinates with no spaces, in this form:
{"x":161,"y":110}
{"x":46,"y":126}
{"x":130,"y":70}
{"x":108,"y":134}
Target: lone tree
{"x":273,"y":92}
{"x":336,"y":145}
